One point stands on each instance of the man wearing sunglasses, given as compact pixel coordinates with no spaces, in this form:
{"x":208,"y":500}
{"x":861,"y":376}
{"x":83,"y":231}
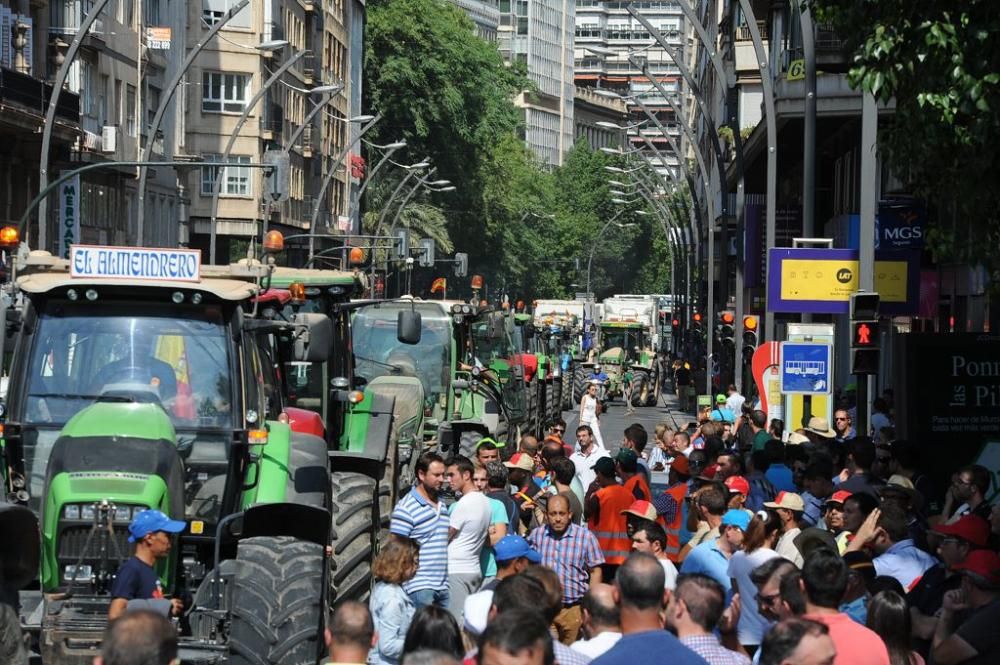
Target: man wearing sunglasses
{"x":843,"y":426}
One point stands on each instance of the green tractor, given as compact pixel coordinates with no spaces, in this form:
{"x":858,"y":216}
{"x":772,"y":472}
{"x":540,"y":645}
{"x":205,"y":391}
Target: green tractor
{"x":373,"y":424}
{"x":541,"y":349}
{"x":472,"y":382}
{"x":142,"y":379}
{"x":625,"y":350}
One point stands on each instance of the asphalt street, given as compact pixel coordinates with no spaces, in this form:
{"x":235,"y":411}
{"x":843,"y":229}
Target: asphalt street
{"x":615,"y":420}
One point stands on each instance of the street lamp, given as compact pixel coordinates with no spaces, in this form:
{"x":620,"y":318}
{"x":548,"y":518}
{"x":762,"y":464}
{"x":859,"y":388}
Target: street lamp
{"x":329,"y":177}
{"x":593,"y":245}
{"x":154,"y":126}
{"x":220,"y":175}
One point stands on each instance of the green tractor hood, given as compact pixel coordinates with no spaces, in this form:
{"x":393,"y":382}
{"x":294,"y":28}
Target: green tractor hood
{"x":111,"y":460}
{"x":614,"y":355}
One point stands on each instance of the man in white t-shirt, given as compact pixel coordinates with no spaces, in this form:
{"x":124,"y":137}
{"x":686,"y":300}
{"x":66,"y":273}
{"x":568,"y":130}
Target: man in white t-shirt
{"x":587,"y":453}
{"x":601,"y":619}
{"x":652,"y":539}
{"x":734,"y":401}
{"x":468,"y":528}
{"x":789,"y":506}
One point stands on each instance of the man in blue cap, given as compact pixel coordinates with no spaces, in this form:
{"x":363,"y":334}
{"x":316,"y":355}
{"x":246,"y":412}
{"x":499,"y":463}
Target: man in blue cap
{"x":136,"y":583}
{"x":712,"y":557}
{"x":513,"y":554}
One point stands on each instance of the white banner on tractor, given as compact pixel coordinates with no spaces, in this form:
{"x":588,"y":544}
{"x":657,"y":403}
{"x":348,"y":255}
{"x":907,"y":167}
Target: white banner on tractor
{"x":129,"y":263}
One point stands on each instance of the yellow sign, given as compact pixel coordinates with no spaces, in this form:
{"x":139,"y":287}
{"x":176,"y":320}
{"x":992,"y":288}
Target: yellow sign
{"x":819,"y":405}
{"x":835,"y":281}
{"x":796,"y":70}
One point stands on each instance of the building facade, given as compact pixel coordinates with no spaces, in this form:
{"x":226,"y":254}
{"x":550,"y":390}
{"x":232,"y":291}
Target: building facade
{"x":539,"y":34}
{"x":605,"y":34}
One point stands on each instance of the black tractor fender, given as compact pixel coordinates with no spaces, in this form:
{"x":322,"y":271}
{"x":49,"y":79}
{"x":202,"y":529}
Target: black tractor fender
{"x":376,"y":445}
{"x":296,"y":520}
{"x":20,"y":547}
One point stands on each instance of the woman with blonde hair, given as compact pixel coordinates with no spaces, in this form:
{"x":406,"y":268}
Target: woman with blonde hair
{"x":391,"y":607}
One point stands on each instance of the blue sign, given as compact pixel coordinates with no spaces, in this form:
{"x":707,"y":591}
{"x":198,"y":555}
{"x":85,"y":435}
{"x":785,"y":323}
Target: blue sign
{"x":169,"y":265}
{"x":806,"y":368}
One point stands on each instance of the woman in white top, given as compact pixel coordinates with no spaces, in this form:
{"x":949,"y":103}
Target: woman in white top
{"x":758,"y":547}
{"x":589,"y":411}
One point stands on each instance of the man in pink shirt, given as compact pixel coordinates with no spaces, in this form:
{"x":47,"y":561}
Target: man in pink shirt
{"x":824,"y":580}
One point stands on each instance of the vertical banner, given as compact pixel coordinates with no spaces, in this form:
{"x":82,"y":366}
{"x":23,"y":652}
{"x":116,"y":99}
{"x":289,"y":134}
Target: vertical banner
{"x":69,"y":215}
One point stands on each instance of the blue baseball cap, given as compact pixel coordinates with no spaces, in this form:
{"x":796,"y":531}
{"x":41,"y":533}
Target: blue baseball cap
{"x":736,"y":517}
{"x":514,"y":547}
{"x":150,"y":521}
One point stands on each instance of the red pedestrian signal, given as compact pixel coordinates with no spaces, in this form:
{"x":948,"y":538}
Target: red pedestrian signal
{"x":864,"y":334}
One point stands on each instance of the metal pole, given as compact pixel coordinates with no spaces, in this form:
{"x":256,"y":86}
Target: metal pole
{"x":306,"y":121}
{"x":866,"y":247}
{"x":713,"y":136}
{"x":593,"y":245}
{"x":809,"y":124}
{"x":371,"y":176}
{"x":767,"y":87}
{"x":409,"y":195}
{"x":167,"y":96}
{"x":50,"y":115}
{"x":329,"y":176}
{"x":66,"y":175}
{"x":221,"y":175}
{"x":392,"y":197}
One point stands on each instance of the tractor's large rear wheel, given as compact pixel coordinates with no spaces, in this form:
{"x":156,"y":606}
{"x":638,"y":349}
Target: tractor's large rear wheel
{"x":566,"y":389}
{"x":579,"y":383}
{"x":354,"y":514}
{"x":467,"y":443}
{"x":640,"y":388}
{"x":277,"y":611}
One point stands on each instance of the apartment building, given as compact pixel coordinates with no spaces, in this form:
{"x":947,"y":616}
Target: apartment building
{"x":539,"y":34}
{"x":605,"y":35}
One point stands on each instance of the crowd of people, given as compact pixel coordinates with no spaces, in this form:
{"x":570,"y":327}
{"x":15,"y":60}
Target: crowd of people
{"x":728,"y":542}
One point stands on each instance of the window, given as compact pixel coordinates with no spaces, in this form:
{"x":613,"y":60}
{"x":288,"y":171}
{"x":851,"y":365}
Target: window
{"x":152,"y":103}
{"x":151,"y":12}
{"x":130,"y":127}
{"x":224,"y":93}
{"x":212,"y":12}
{"x":237,"y":182}
{"x":119,"y":113}
{"x":102,"y":100}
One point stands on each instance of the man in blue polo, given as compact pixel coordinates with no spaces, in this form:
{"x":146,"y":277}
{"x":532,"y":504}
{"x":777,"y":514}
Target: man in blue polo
{"x":712,"y":557}
{"x":136,"y":583}
{"x":423,"y":517}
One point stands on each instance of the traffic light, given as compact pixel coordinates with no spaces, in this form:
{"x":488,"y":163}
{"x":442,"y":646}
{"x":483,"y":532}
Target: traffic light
{"x":726,"y":330}
{"x":461,"y":264}
{"x":864,"y":333}
{"x":750,"y":324}
{"x":426,"y":256}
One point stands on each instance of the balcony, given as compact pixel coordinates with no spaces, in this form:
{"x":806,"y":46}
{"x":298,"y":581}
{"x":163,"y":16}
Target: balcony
{"x":270,"y":130}
{"x":32,"y":95}
{"x":67,"y":15}
{"x":743,"y":32}
{"x":309,"y":69}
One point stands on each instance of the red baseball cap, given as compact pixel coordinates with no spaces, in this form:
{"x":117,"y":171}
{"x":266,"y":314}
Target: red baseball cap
{"x":970,"y":528}
{"x":738,"y":485}
{"x":708,"y":473}
{"x":984,"y":564}
{"x":839,"y":496}
{"x":643,"y":509}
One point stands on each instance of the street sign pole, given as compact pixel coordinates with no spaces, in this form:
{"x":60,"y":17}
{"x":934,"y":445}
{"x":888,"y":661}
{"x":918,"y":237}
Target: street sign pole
{"x":866,"y":247}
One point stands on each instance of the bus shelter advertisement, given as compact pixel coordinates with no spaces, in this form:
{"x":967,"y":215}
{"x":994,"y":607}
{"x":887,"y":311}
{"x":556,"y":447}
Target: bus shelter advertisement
{"x":948,"y":395}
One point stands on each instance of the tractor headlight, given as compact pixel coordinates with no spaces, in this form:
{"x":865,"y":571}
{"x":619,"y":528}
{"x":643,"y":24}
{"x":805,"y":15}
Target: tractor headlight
{"x":87,"y":512}
{"x":137,"y":509}
{"x":71,"y":512}
{"x":80,"y":573}
{"x":123,"y":514}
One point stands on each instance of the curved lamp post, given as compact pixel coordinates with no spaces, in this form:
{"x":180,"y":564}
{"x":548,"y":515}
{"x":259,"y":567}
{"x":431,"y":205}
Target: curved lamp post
{"x":162,"y":108}
{"x":50,"y":115}
{"x":244,"y":116}
{"x":593,"y":245}
{"x":389,"y":148}
{"x":329,"y":176}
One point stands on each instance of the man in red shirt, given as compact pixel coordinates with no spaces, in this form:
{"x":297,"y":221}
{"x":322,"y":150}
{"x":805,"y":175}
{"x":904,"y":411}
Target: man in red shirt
{"x":824,"y":580}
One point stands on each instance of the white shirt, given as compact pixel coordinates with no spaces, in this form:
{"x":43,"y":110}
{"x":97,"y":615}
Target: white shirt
{"x":598,"y":644}
{"x":786,"y":547}
{"x":669,"y":574}
{"x":583,"y":462}
{"x":470,"y":516}
{"x":735,"y":403}
{"x":588,"y":410}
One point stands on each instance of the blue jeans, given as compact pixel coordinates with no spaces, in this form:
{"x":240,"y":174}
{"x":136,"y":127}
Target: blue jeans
{"x":425,"y":597}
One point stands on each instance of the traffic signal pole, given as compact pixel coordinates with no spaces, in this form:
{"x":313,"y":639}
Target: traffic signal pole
{"x":866,"y":247}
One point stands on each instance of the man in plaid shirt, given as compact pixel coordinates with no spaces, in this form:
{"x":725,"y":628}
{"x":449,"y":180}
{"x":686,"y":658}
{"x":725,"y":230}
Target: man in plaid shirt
{"x":573,"y":552}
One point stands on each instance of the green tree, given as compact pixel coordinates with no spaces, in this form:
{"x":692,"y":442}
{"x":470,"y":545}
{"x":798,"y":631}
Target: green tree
{"x":940,"y":61}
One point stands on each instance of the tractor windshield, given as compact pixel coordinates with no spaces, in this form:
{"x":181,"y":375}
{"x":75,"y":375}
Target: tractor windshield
{"x":489,"y":348}
{"x":82,"y":353}
{"x":377,"y":351}
{"x":623,"y":338}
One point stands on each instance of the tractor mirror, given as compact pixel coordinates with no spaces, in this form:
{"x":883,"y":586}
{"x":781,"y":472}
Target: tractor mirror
{"x":408,"y":326}
{"x":314,"y":339}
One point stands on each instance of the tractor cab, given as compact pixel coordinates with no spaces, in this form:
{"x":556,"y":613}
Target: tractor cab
{"x":139,"y":381}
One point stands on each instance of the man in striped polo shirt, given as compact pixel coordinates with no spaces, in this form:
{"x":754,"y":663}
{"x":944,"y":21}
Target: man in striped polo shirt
{"x":422,"y":517}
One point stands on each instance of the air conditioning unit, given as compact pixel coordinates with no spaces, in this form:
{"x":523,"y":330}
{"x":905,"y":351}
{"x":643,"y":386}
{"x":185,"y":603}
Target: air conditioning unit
{"x":109,"y":138}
